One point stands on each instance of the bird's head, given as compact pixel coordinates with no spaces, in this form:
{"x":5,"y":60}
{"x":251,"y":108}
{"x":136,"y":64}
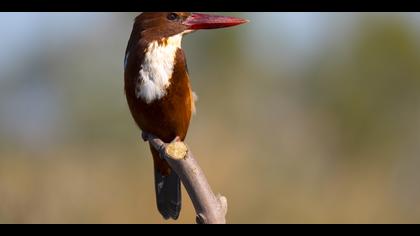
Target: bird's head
{"x":159,"y":25}
{"x":155,"y":47}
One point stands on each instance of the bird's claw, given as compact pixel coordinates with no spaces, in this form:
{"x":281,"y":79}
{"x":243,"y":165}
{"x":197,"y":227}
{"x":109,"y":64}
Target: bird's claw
{"x":176,"y":139}
{"x":145,"y":136}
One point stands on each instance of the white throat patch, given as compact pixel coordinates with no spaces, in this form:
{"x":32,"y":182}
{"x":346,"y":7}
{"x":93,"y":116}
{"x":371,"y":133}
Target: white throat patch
{"x":157,"y":69}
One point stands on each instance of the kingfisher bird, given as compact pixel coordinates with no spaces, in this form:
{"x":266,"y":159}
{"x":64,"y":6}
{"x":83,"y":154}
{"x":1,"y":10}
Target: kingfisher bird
{"x":158,"y":89}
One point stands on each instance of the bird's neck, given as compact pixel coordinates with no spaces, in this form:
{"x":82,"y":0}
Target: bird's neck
{"x":157,"y":68}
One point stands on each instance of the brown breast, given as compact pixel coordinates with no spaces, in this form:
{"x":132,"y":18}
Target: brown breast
{"x":169,"y":116}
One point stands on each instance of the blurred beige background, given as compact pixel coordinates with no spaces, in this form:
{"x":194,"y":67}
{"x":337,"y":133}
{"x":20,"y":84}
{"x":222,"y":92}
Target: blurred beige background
{"x":302,"y":118}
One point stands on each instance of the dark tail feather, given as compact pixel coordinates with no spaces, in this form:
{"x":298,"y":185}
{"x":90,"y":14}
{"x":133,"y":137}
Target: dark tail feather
{"x":168,"y":194}
{"x":167,"y":187}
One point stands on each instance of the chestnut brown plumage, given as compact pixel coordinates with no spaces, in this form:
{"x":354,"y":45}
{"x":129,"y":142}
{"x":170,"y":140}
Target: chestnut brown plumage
{"x":162,"y":103}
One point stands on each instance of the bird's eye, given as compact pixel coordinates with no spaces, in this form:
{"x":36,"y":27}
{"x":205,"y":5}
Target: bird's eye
{"x":173,"y":16}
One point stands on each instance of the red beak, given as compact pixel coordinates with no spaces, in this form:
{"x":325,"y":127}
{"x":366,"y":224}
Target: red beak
{"x":204,"y":21}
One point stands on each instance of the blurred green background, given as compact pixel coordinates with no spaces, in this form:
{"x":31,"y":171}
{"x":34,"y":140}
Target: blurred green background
{"x":301,"y":118}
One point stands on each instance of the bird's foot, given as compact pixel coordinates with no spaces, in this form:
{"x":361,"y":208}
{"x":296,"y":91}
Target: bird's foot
{"x":176,"y":139}
{"x":145,"y":136}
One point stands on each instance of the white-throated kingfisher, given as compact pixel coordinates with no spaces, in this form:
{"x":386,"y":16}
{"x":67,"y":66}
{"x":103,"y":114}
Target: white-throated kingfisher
{"x":158,"y":89}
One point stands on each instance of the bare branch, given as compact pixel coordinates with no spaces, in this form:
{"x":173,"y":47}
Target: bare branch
{"x":209,"y":208}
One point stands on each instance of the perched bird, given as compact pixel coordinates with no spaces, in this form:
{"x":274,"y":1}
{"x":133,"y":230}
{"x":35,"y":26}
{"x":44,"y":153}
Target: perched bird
{"x":158,"y":89}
